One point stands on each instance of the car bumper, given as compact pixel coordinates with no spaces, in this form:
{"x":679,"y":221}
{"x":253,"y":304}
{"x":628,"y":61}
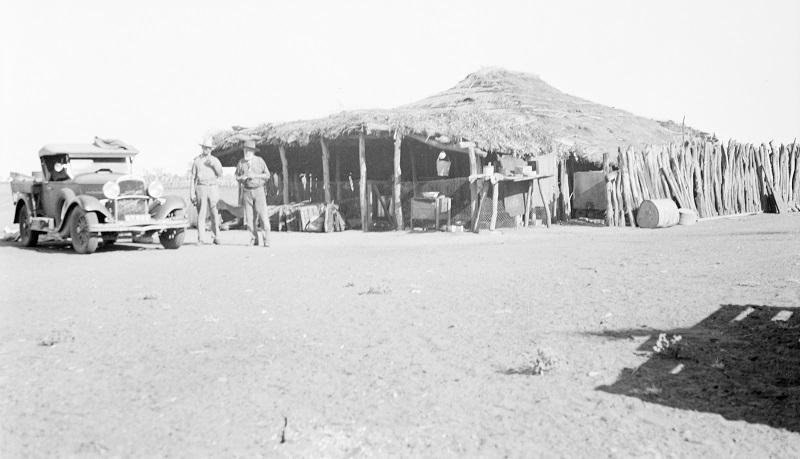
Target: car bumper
{"x":140,"y":226}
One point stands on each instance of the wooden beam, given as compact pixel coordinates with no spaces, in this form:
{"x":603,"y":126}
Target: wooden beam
{"x":397,"y":185}
{"x":285,"y":172}
{"x":326,"y":170}
{"x":444,"y":146}
{"x":362,"y":183}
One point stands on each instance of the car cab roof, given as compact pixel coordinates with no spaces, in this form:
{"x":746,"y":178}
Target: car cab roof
{"x":84,"y":150}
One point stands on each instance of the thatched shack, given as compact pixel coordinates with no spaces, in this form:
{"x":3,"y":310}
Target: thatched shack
{"x":491,"y":113}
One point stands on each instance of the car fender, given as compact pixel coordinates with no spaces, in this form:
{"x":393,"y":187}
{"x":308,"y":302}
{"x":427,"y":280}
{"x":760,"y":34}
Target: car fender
{"x":170,"y":204}
{"x":65,"y":199}
{"x":85,"y":202}
{"x":19,"y":201}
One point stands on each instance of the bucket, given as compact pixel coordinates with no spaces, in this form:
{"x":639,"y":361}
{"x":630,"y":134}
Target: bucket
{"x":687,"y":217}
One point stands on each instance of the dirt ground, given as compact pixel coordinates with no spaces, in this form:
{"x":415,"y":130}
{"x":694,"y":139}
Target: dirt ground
{"x":534,"y":342}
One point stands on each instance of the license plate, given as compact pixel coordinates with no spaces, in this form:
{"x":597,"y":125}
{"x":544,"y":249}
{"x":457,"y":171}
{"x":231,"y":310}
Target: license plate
{"x":137,"y":217}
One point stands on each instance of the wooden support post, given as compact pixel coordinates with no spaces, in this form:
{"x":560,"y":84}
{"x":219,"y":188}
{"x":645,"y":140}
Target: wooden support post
{"x":473,"y":185}
{"x":614,"y":205}
{"x":297,"y":187}
{"x":376,"y":192}
{"x":546,"y":207}
{"x":566,"y":203}
{"x":326,"y":170}
{"x":338,"y":176}
{"x":495,"y":195}
{"x":285,"y":172}
{"x":397,"y":184}
{"x":609,"y":204}
{"x":626,"y":189}
{"x":619,"y":216}
{"x":483,"y":189}
{"x":362,"y":183}
{"x":796,"y":181}
{"x":528,"y":203}
{"x":413,"y":174}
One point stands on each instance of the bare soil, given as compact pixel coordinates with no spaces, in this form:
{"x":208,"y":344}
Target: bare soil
{"x":532,"y":342}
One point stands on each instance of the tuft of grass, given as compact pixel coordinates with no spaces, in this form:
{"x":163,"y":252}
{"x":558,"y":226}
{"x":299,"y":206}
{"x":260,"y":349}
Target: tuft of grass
{"x":55,"y":337}
{"x":377,"y":290}
{"x":541,"y":362}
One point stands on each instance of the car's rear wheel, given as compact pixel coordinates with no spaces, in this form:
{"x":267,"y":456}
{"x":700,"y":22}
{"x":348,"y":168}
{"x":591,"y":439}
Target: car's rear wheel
{"x":83,"y":241}
{"x":27,"y":236}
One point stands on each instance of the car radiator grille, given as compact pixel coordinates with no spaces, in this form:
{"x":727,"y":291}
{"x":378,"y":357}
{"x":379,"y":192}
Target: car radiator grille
{"x":131,"y":207}
{"x":132,"y":188}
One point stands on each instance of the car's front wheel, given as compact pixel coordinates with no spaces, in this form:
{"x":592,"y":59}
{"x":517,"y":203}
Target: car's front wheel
{"x":173,"y":238}
{"x":27,"y":236}
{"x":83,"y":241}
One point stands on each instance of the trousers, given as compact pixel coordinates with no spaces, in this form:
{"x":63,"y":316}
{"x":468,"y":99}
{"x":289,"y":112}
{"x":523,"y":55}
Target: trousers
{"x":207,"y":198}
{"x":255,"y":207}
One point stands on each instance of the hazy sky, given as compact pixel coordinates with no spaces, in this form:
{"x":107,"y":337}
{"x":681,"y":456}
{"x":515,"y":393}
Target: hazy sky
{"x":160,"y":74}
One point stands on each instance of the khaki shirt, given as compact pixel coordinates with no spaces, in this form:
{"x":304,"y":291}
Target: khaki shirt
{"x":254,"y":166}
{"x":206,"y":170}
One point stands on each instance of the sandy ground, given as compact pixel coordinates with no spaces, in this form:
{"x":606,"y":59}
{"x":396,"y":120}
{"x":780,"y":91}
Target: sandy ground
{"x":398,"y":344}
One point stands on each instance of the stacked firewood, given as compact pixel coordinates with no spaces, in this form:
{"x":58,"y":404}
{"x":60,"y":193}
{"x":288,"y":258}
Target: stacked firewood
{"x":709,"y":178}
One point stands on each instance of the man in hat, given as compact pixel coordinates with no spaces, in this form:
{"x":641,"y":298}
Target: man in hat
{"x":204,"y":190}
{"x":252,"y":174}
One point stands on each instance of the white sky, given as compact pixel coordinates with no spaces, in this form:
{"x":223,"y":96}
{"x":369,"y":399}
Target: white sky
{"x":160,"y":74}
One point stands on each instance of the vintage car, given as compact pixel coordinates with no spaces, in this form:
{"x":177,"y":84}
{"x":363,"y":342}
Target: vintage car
{"x":88,"y":193}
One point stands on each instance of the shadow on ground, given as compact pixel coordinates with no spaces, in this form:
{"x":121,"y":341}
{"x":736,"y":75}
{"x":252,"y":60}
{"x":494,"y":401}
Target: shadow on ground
{"x":66,"y":247}
{"x":738,"y":362}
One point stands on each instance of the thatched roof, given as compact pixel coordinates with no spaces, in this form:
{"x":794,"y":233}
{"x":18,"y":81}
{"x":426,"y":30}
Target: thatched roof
{"x":498,"y":110}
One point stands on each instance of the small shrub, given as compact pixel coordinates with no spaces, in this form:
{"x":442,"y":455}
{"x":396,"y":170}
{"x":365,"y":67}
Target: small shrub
{"x":668,"y":347}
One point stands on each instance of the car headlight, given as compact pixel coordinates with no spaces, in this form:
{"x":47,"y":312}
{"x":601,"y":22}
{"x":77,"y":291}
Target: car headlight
{"x":155,"y":189}
{"x":111,"y":189}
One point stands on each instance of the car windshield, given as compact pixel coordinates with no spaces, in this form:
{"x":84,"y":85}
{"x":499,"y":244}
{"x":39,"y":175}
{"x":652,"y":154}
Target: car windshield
{"x":88,"y":165}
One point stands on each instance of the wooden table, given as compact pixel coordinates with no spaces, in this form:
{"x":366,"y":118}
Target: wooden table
{"x":430,"y":209}
{"x":484,"y":181}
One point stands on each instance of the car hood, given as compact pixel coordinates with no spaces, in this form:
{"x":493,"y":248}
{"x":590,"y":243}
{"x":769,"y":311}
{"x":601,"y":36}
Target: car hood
{"x":98,"y":178}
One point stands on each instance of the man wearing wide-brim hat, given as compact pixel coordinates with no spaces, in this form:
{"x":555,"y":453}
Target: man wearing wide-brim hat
{"x":252,"y":174}
{"x":204,"y":190}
